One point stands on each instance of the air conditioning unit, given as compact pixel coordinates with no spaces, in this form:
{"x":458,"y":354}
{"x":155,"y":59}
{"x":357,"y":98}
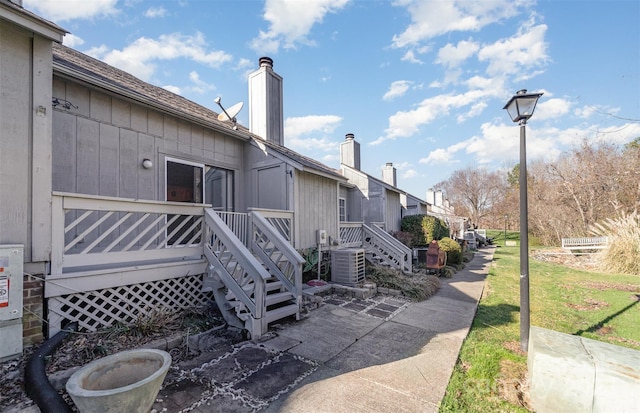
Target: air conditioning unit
{"x":347,"y":266}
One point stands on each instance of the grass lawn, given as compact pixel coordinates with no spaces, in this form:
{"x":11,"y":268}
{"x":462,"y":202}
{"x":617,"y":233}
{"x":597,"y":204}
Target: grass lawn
{"x":490,"y":375}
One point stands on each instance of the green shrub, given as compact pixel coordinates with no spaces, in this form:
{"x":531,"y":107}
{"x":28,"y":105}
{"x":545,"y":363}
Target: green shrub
{"x":412,"y":225}
{"x":453,"y":249}
{"x":424,"y":229}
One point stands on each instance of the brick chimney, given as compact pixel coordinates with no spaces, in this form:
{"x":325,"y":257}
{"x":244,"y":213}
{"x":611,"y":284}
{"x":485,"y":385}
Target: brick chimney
{"x":389,"y":174}
{"x":266,"y":115}
{"x":350,"y":152}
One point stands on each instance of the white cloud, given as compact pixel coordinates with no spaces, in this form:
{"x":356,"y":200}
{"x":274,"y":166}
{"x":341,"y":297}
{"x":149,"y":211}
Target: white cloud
{"x":407,"y":123}
{"x":518,"y":54}
{"x":138,"y":58}
{"x":200,"y":86}
{"x":585,"y":112}
{"x":291,"y":21}
{"x":495,"y":84}
{"x":588,"y":111}
{"x":72,"y":41}
{"x":438,"y":157}
{"x":410,"y":57}
{"x":59,"y":11}
{"x":409,"y":173}
{"x":397,"y":89}
{"x":434,"y":18}
{"x":297,"y":133}
{"x":551,"y":108}
{"x":174,"y":89}
{"x":452,"y":56}
{"x":155,"y":12}
{"x":499,"y":143}
{"x":474,"y":111}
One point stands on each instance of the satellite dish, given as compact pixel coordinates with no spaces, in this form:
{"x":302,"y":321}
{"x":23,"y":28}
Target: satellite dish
{"x":231,"y":113}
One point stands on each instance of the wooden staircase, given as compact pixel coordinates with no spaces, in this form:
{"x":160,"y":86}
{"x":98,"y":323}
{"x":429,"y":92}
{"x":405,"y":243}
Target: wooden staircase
{"x":255,"y":285}
{"x":380,"y":247}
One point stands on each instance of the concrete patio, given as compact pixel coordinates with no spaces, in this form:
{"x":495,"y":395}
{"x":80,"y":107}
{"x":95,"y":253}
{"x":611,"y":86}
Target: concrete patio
{"x":383,"y":354}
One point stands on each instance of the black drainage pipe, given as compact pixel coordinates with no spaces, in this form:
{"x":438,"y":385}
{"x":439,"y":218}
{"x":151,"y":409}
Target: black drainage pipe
{"x":36,"y":383}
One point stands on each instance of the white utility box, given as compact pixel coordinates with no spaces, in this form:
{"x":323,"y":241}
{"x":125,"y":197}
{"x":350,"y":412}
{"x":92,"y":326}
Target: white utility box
{"x":347,"y":266}
{"x":11,"y":266}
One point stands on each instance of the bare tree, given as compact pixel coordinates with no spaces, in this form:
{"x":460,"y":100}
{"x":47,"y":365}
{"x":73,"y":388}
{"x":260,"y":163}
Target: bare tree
{"x":474,"y":192}
{"x":594,"y":181}
{"x":586,"y":185}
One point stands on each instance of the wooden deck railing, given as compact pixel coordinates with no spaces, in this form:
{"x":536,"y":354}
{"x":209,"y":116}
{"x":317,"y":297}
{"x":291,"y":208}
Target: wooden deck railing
{"x":91,"y":231}
{"x":378,"y":242}
{"x":282,"y":260}
{"x":281,"y":220}
{"x":239,"y":270}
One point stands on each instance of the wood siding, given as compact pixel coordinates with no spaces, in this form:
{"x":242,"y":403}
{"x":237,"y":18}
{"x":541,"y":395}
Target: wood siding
{"x":267,"y":187}
{"x":25,"y":136}
{"x":393,"y":215}
{"x":98,"y":147}
{"x":317,"y":208}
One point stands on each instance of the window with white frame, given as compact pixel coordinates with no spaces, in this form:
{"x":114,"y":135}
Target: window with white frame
{"x":342,"y":209}
{"x":195,"y":183}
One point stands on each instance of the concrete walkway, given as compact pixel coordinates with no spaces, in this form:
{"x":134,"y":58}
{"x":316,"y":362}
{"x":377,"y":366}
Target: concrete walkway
{"x":375,"y":355}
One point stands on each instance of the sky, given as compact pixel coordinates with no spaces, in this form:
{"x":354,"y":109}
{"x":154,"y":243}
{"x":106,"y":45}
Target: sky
{"x":420,"y":83}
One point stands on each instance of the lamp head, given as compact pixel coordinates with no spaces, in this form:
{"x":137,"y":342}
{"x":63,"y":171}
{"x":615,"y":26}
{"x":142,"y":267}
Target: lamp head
{"x":521,"y":106}
{"x":217,"y":100}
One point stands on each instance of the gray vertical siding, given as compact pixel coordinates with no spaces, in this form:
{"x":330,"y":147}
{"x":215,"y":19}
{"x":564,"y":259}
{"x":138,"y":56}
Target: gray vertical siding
{"x":393,"y":216}
{"x":25,"y":140}
{"x":15,"y":136}
{"x":99,"y":146}
{"x":317,"y":201}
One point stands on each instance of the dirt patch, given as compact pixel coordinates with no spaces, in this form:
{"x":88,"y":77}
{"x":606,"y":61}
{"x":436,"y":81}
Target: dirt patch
{"x":604,"y":330}
{"x":588,"y":262}
{"x":603,"y":286}
{"x":588,"y":305}
{"x":514,"y":346}
{"x":513,"y":385}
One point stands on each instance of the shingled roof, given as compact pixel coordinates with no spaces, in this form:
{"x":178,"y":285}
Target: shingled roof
{"x":307,"y":164}
{"x":74,"y":64}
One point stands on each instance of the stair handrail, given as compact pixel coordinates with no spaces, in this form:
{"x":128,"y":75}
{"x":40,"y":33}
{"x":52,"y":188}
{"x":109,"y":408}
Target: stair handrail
{"x":406,"y":251}
{"x":248,"y":263}
{"x":351,"y":234}
{"x":386,"y":247}
{"x":283,"y":246}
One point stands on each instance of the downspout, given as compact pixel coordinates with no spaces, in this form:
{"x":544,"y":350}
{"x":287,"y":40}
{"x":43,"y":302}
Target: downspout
{"x":36,"y":383}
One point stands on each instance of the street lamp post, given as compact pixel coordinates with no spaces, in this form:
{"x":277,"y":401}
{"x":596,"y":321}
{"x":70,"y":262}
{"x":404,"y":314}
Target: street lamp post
{"x":505,"y":229}
{"x":520,"y":108}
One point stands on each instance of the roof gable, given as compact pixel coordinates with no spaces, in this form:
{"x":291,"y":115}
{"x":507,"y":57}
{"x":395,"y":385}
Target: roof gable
{"x":77,"y":65}
{"x":30,"y":21}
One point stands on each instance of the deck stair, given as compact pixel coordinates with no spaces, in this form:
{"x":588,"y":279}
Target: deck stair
{"x":380,"y":247}
{"x":255,"y":284}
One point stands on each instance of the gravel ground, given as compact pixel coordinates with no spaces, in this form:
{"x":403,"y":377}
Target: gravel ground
{"x":81,"y":347}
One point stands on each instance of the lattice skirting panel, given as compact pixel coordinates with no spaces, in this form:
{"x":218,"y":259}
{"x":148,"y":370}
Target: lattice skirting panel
{"x":94,"y":310}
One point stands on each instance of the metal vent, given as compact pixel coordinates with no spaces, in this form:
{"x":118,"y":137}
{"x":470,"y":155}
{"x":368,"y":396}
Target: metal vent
{"x":347,"y":266}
